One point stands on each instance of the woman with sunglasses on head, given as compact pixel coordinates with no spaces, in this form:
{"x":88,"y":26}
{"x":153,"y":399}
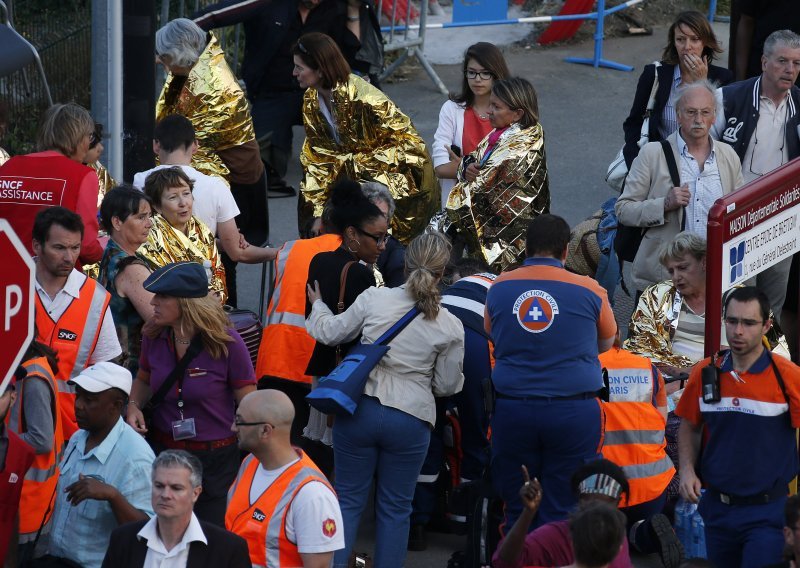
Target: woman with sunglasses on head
{"x":363,"y":228}
{"x":464,"y":118}
{"x":387,"y":437}
{"x":354,"y":131}
{"x":503,"y":184}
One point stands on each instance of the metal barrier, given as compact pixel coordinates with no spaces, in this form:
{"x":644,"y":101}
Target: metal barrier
{"x":596,"y":61}
{"x":749,"y":231}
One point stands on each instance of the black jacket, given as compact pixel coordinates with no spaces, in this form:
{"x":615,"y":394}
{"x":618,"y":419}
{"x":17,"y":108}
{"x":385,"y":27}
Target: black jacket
{"x":741,"y":101}
{"x":633,"y":124}
{"x":224,"y":549}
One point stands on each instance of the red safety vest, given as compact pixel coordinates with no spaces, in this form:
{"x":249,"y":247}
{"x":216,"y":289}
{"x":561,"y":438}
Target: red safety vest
{"x":286,"y":346}
{"x":38,"y":491}
{"x":634,"y":429}
{"x":30,"y":183}
{"x":73,"y":337}
{"x":263,"y":523}
{"x":18,"y":459}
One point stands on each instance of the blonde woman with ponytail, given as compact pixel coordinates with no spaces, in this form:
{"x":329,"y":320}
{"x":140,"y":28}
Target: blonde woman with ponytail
{"x":388,"y":436}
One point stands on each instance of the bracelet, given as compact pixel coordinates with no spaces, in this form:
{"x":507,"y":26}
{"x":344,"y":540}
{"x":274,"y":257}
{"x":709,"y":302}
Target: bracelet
{"x":353,"y":18}
{"x":134,"y":403}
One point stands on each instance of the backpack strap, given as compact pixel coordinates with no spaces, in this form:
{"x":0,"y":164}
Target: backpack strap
{"x":673,"y":174}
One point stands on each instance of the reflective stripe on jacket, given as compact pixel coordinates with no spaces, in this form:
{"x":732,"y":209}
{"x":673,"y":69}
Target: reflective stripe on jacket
{"x":263,"y":523}
{"x":286,"y":346}
{"x":634,"y":429}
{"x":73,"y":337}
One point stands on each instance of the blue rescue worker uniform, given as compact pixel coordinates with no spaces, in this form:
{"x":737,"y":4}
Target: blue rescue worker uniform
{"x":749,"y":457}
{"x":545,"y":324}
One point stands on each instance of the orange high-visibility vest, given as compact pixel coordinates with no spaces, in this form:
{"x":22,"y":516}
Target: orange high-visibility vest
{"x":73,"y":337}
{"x":38,"y":489}
{"x":286,"y":346}
{"x":634,"y":429}
{"x":263,"y":523}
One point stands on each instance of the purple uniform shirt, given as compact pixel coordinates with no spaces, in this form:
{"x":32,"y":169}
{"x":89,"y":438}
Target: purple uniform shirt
{"x":207,"y":386}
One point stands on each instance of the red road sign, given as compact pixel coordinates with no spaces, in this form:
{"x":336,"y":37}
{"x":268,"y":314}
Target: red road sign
{"x":16,"y":302}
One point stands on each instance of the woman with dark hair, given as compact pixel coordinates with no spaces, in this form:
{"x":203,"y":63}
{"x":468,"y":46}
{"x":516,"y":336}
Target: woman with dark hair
{"x":354,"y":131}
{"x":503,"y":184}
{"x":126,"y":216}
{"x":177,"y":234}
{"x":691,"y":47}
{"x":197,"y":412}
{"x":363,"y":228}
{"x":388,"y":436}
{"x":464,"y":118}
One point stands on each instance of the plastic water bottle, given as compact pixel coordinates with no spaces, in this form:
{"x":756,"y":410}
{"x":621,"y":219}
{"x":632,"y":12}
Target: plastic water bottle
{"x":698,"y":536}
{"x":207,"y":266}
{"x":684,"y":512}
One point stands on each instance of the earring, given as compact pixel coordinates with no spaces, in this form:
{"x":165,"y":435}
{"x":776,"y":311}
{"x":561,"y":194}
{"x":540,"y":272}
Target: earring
{"x":358,"y":245}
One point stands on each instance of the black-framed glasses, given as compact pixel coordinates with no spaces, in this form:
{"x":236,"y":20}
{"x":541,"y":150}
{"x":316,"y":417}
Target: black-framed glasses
{"x":379,"y":240}
{"x":94,"y":139}
{"x":238,"y":423}
{"x":485,"y":75}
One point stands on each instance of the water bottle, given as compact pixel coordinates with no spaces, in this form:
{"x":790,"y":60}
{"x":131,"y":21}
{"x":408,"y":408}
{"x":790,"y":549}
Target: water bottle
{"x":684,"y":511}
{"x":207,"y":266}
{"x":698,"y":535}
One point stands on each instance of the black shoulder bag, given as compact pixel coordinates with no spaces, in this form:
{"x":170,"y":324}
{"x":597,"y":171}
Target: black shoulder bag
{"x":180,"y":369}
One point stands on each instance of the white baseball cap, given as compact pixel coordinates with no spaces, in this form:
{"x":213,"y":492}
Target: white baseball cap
{"x":103,"y":376}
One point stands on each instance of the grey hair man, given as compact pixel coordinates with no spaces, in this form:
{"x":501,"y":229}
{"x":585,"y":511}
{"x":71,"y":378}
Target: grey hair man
{"x":653,"y":201}
{"x":174,"y":536}
{"x":760,"y":121}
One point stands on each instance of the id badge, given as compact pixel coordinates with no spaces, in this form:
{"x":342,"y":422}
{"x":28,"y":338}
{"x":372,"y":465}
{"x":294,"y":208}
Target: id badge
{"x":183,"y":429}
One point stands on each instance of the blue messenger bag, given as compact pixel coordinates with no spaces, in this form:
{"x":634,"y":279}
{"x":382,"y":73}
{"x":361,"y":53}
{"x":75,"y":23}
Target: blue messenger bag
{"x":339,"y":392}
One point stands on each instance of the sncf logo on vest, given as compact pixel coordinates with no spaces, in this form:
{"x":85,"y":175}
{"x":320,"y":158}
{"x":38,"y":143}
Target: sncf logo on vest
{"x":67,"y":335}
{"x":259,"y":515}
{"x":32,"y":191}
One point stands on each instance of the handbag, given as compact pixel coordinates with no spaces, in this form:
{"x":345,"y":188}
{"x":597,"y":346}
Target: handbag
{"x":618,"y":169}
{"x":339,"y":392}
{"x":249,"y":328}
{"x":179,"y":370}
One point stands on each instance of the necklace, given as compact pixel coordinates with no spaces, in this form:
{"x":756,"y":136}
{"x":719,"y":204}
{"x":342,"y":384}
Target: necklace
{"x":179,"y":340}
{"x":480,"y":114}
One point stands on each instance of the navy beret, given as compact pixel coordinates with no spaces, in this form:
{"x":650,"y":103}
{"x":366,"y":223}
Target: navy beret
{"x":179,"y":279}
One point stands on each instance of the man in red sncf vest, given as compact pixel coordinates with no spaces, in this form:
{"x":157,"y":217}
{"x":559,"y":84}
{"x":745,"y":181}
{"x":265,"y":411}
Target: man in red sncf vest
{"x":280,"y":503}
{"x":55,"y":176}
{"x":635,"y":413}
{"x":72,"y":313}
{"x":15,"y":458}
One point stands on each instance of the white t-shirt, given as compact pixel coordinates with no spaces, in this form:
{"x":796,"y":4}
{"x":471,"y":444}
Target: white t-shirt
{"x":108,"y":346}
{"x":213,"y":200}
{"x":314,"y":521}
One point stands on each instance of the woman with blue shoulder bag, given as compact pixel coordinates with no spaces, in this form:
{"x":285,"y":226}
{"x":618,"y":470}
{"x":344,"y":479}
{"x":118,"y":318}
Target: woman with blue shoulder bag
{"x":388,"y":435}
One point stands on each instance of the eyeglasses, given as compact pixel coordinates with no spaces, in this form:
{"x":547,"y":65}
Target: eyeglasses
{"x":379,"y":239}
{"x":94,"y":139}
{"x":693,"y":112}
{"x":485,"y":75}
{"x":734,"y":322}
{"x":238,"y":423}
{"x":302,"y":48}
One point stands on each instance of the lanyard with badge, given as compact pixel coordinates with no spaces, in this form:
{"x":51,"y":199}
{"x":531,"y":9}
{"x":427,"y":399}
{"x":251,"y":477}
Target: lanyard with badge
{"x":184,"y":429}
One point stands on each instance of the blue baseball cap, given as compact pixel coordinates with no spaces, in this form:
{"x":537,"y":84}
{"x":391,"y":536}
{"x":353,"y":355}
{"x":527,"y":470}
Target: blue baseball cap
{"x":179,"y":279}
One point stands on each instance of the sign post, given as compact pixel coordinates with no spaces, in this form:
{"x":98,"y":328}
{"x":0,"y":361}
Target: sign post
{"x":750,"y":230}
{"x":16,"y":299}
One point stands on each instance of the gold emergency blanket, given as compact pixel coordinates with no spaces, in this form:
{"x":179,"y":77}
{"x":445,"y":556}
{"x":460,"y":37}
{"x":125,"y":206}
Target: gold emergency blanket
{"x":493,"y":211}
{"x":213,"y":100}
{"x":653,"y":325}
{"x":167,"y":244}
{"x":107,"y":183}
{"x":4,"y":156}
{"x":376,"y":142}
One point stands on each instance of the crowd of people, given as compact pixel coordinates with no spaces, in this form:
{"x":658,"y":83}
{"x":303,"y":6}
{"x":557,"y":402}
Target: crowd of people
{"x":138,"y":431}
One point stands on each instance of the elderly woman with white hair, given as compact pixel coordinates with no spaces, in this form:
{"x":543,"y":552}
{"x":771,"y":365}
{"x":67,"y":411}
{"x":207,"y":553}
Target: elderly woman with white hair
{"x":391,"y":262}
{"x":201,"y":87}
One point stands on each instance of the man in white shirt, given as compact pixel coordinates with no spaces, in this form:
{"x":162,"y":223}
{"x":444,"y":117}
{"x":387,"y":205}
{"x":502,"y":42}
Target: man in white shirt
{"x":762,"y":123}
{"x":174,"y":143}
{"x":275,"y":482}
{"x":175,"y":538}
{"x":72,"y":313}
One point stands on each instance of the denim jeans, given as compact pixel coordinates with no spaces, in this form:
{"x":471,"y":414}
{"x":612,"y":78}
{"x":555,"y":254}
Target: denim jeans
{"x":390,"y":445}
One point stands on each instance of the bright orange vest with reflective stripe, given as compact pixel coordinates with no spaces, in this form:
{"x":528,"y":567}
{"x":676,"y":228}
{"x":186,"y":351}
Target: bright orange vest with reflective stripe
{"x":263,"y":523}
{"x":634,"y":429}
{"x":286,"y":346}
{"x":38,"y":489}
{"x":73,"y":337}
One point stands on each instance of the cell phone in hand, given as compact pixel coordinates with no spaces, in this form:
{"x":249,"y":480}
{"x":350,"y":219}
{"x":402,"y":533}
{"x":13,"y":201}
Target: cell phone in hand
{"x":456,"y":150}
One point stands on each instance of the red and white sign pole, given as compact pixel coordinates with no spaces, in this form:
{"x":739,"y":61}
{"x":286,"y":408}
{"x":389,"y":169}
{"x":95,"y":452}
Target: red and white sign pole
{"x":16,"y":301}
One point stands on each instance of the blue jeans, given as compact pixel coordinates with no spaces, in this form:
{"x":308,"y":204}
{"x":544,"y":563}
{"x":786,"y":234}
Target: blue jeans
{"x":390,"y":445}
{"x":746,"y":536}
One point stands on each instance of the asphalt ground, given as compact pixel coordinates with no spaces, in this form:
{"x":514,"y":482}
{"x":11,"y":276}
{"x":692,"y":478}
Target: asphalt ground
{"x":582,"y":109}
